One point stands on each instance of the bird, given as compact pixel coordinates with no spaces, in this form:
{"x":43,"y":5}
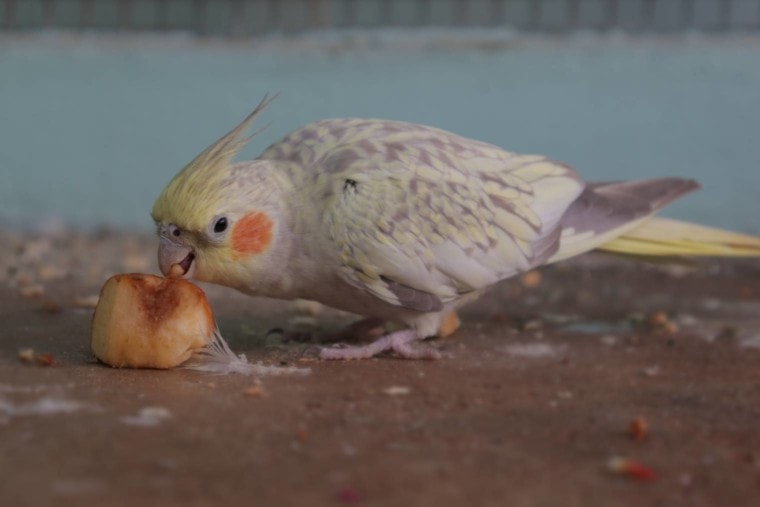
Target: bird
{"x":402,"y":222}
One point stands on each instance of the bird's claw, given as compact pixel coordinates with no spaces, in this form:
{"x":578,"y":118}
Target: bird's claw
{"x":399,"y":342}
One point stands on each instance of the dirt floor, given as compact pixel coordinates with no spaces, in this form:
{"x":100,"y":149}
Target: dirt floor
{"x":535,"y":395}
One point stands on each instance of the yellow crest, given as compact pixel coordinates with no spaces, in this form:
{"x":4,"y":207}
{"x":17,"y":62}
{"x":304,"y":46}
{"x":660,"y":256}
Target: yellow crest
{"x":193,"y":193}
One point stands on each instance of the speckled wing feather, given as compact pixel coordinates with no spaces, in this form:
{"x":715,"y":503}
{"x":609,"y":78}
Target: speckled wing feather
{"x":419,"y":216}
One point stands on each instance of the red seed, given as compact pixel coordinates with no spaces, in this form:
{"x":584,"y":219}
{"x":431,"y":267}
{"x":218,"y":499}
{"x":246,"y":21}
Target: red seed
{"x":638,"y":429}
{"x":631,"y":468}
{"x":45,"y":360}
{"x":349,"y":496}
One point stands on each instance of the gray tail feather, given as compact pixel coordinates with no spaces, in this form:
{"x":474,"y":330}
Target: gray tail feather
{"x":653,"y":194}
{"x":605,"y":206}
{"x":610,"y":209}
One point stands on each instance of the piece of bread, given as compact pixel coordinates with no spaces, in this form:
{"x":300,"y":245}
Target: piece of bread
{"x":145,"y":321}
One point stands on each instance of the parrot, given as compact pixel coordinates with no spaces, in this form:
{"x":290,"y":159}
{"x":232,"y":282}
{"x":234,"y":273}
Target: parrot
{"x":402,"y":222}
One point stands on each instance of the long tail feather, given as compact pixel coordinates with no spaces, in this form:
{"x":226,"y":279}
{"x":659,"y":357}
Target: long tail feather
{"x":665,"y":237}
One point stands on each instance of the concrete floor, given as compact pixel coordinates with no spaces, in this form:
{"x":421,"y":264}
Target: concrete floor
{"x":535,"y":394}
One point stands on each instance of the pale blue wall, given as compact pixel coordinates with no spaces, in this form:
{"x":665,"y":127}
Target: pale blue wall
{"x":91,"y":131}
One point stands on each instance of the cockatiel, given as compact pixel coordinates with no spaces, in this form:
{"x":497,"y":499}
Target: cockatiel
{"x":402,"y":222}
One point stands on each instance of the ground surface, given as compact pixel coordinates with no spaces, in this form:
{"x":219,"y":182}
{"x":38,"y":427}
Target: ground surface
{"x":535,"y":394}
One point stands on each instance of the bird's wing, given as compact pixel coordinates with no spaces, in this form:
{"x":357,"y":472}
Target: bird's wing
{"x":420,"y":217}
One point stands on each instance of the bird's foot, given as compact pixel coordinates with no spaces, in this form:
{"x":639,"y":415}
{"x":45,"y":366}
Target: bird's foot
{"x":399,"y":342}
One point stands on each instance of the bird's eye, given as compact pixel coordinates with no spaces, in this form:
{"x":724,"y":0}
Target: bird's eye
{"x":220,"y":225}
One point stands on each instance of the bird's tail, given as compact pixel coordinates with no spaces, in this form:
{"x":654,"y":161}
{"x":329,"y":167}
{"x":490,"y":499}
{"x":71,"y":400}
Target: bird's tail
{"x":619,"y":217}
{"x":665,"y":237}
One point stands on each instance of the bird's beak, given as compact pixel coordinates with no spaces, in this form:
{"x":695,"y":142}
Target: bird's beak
{"x":175,"y":259}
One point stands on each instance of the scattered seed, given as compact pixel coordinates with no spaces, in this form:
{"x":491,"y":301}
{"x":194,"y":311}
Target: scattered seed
{"x":531,"y":279}
{"x":255,"y":392}
{"x":638,"y":429}
{"x":29,"y":356}
{"x":45,"y":360}
{"x":26,"y":355}
{"x":659,"y":321}
{"x":630,"y":468}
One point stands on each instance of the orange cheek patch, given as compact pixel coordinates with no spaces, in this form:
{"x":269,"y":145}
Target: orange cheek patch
{"x":252,"y":234}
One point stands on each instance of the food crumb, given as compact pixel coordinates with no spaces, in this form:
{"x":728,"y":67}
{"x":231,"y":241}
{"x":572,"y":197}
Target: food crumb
{"x":531,"y":279}
{"x":630,"y":468}
{"x":397,"y":390}
{"x":659,"y":321}
{"x":26,"y":355}
{"x":30,"y":356}
{"x":255,"y":392}
{"x":638,"y":429}
{"x":45,"y":360}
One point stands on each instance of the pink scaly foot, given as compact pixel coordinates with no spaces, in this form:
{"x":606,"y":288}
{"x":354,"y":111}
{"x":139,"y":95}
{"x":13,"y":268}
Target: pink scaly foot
{"x":399,"y":342}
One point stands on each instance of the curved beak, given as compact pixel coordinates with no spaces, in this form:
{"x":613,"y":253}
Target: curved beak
{"x":175,"y":259}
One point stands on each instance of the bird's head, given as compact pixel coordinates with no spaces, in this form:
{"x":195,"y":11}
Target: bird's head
{"x":218,"y":221}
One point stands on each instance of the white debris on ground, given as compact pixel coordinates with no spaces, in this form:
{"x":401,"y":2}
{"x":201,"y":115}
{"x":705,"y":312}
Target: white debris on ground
{"x":148,"y":416}
{"x":217,"y":357}
{"x":750,"y":342}
{"x":533,"y":350}
{"x":397,"y":390}
{"x":34,"y":389}
{"x":43,"y":406}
